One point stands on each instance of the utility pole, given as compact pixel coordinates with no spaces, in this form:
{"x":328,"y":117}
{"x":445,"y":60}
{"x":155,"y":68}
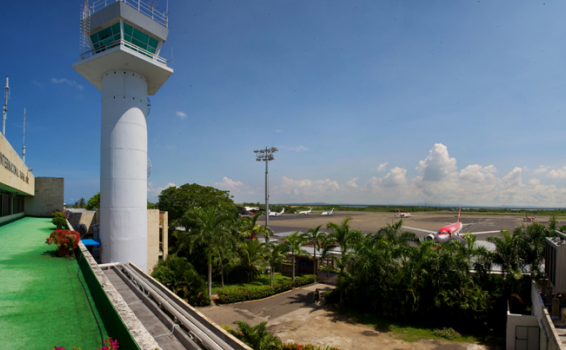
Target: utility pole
{"x":5,"y":109}
{"x":266,"y":156}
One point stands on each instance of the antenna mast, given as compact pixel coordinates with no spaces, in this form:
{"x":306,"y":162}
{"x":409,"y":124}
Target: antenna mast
{"x":5,"y":110}
{"x":24,"y":143}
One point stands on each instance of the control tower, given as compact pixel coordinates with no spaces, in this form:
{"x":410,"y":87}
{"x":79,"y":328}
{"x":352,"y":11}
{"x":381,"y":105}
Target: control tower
{"x":121,"y":41}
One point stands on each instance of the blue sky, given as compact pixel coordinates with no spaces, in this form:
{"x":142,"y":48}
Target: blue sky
{"x":368,"y":101}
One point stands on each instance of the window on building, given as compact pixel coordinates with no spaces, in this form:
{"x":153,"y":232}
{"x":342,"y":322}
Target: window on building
{"x":106,"y":38}
{"x":139,"y":39}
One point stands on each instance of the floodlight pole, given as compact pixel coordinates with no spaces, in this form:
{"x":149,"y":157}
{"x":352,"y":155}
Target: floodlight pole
{"x":266,"y":155}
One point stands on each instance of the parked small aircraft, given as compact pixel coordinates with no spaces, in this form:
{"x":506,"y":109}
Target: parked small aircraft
{"x":448,"y":232}
{"x":403,"y":215}
{"x":528,"y":218}
{"x":274,"y":213}
{"x":328,"y":213}
{"x":306,"y":212}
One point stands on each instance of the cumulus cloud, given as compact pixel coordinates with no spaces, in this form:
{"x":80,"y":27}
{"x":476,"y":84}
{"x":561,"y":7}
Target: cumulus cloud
{"x":438,"y":181}
{"x":299,"y":149}
{"x":352,"y":183}
{"x":228,"y":184}
{"x":181,"y":115}
{"x":437,"y":165}
{"x":71,"y":83}
{"x":540,"y":170}
{"x":381,"y":167}
{"x":557,"y":173}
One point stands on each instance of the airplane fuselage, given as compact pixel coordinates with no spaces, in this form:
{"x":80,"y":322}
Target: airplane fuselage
{"x":446,"y":233}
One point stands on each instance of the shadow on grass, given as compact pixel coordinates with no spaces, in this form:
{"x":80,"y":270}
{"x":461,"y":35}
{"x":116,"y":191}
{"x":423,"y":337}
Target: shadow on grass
{"x":412,"y":332}
{"x":52,"y":253}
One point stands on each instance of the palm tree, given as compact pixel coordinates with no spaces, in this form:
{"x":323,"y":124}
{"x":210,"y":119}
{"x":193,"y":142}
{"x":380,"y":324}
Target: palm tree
{"x":206,"y":227}
{"x":342,"y":235}
{"x":316,"y":237}
{"x":250,"y":229}
{"x":257,"y":337}
{"x":82,"y":203}
{"x":274,"y":255}
{"x":295,"y":241}
{"x":225,"y":256}
{"x":506,"y":252}
{"x":251,"y":253}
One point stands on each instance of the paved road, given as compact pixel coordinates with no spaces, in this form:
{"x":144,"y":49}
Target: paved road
{"x":255,"y":312}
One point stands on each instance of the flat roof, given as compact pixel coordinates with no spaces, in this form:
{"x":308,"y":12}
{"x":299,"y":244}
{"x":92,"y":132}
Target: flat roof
{"x":42,"y":302}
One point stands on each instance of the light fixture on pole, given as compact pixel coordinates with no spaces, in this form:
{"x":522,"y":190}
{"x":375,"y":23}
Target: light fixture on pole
{"x":266,"y":155}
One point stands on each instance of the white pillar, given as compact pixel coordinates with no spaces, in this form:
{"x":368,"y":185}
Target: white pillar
{"x":123,"y":168}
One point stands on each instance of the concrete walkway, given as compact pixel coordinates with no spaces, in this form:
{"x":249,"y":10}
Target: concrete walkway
{"x":256,"y":311}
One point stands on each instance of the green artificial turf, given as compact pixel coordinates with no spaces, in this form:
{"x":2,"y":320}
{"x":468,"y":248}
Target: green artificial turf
{"x":263,"y":280}
{"x":42,"y":302}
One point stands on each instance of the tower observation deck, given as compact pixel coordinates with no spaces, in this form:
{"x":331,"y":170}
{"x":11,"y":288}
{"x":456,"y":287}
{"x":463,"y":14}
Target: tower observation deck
{"x":121,"y":41}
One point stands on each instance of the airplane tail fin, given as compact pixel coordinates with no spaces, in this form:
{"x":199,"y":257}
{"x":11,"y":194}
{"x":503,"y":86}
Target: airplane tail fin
{"x":459,"y":213}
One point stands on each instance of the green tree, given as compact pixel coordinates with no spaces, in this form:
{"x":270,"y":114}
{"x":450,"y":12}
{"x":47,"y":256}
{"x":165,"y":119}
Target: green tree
{"x":257,"y":337}
{"x":82,"y":203}
{"x":342,"y":235}
{"x":180,"y":276}
{"x":251,"y":253}
{"x":507,"y":253}
{"x":94,"y":202}
{"x":274,"y":256}
{"x":177,"y":200}
{"x":225,"y":256}
{"x":316,"y":237}
{"x":295,"y":241}
{"x":206,"y":227}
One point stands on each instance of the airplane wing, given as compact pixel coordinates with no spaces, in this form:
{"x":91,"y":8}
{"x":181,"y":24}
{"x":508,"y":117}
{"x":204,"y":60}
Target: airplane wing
{"x":483,"y":232}
{"x":418,"y":229}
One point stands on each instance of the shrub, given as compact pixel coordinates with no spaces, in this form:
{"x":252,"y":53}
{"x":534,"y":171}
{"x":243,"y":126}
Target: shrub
{"x":235,"y":295}
{"x":332,"y":296}
{"x":64,"y":239}
{"x":295,"y":346}
{"x":447,"y":332}
{"x":59,"y":221}
{"x":58,"y":213}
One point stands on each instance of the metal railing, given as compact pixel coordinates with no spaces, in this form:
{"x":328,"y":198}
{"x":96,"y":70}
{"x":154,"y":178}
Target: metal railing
{"x":127,"y":44}
{"x":147,"y":7}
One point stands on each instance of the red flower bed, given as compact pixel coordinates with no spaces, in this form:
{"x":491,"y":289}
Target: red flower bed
{"x":65,"y":240}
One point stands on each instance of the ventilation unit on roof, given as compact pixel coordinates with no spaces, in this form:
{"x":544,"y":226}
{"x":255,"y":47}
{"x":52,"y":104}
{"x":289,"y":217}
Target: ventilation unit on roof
{"x":555,"y":263}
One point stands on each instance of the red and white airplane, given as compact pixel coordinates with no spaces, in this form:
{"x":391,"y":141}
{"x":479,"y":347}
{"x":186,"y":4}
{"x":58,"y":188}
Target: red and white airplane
{"x":528,"y":218}
{"x":448,"y":232}
{"x":403,"y":215}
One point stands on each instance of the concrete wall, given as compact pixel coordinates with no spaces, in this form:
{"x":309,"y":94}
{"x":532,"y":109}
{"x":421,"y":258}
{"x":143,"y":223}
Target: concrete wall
{"x":164,"y":223}
{"x":514,"y":320}
{"x":549,"y":338}
{"x":87,"y":218}
{"x":14,"y":174}
{"x":152,"y":239}
{"x":49,"y":195}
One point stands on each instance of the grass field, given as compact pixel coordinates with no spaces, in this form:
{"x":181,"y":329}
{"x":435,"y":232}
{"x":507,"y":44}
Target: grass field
{"x":412,"y":332}
{"x":262,"y":281}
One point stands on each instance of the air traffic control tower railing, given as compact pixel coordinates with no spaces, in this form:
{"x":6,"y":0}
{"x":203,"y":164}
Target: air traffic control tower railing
{"x":140,"y":5}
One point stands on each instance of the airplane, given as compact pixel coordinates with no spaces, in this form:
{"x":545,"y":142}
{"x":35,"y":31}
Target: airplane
{"x":274,"y":213}
{"x":403,"y":215}
{"x":328,"y":213}
{"x":306,"y":212}
{"x":528,"y":218}
{"x":448,"y":232}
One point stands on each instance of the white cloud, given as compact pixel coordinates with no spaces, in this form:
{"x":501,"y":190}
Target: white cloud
{"x":181,"y":115}
{"x":437,"y":165}
{"x":71,"y":83}
{"x":381,"y":167}
{"x":439,"y":181}
{"x":279,"y":130}
{"x":541,"y":169}
{"x":299,"y":149}
{"x":557,"y":173}
{"x":156,"y":191}
{"x":228,"y":184}
{"x":352,"y":183}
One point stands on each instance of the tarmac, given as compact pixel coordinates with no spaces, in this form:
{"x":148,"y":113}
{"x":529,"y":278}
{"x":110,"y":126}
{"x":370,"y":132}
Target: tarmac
{"x":373,"y":221}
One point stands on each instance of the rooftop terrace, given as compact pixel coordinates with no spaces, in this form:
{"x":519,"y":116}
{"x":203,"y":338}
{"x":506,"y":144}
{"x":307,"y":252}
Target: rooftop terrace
{"x":42,"y":301}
